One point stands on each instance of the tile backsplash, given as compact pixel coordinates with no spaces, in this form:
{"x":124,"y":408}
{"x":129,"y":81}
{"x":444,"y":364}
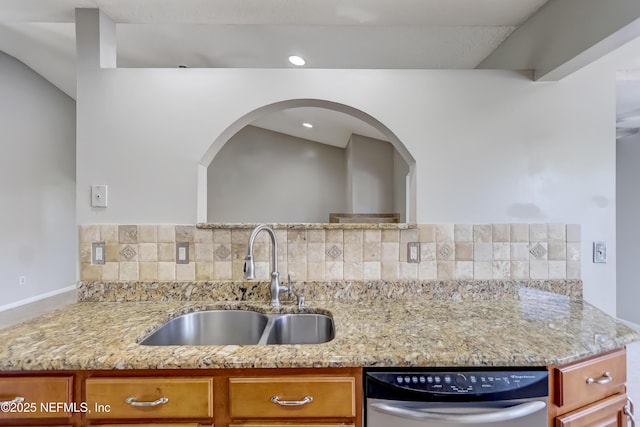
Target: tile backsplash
{"x":446,"y":251}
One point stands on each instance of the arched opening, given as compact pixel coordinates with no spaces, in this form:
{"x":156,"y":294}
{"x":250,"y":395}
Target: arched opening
{"x":256,"y":171}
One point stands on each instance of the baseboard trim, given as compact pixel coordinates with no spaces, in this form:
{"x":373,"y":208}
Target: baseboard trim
{"x":37,"y":298}
{"x":630,"y":324}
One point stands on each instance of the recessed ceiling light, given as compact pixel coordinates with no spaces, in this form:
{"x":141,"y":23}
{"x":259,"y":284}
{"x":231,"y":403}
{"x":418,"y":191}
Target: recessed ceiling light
{"x":296,"y":60}
{"x":307,"y":125}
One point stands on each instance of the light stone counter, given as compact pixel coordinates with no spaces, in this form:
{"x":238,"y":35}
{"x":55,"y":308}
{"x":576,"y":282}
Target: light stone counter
{"x":529,"y":328}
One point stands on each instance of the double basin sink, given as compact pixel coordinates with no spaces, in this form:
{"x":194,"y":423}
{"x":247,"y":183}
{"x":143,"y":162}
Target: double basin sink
{"x":241,"y":327}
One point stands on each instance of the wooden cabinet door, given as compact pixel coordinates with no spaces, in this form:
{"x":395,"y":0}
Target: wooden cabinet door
{"x":608,"y":412}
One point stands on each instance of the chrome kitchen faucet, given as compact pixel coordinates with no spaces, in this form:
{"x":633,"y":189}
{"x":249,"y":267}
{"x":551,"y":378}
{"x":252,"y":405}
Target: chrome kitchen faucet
{"x":249,"y":266}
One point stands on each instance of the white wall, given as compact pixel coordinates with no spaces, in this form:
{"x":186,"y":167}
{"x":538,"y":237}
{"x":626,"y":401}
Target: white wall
{"x":37,"y":185}
{"x":490,"y":146}
{"x":370,"y":175}
{"x":628,"y":225}
{"x":400,"y":172}
{"x":266,"y":176}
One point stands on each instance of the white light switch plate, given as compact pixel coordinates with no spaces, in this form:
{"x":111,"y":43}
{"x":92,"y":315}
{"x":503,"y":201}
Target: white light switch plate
{"x":99,"y":196}
{"x":600,"y":252}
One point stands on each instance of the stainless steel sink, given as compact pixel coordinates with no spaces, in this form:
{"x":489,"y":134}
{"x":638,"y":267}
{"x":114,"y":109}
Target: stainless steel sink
{"x":240,"y":327}
{"x":301,"y":329}
{"x":213,"y":327}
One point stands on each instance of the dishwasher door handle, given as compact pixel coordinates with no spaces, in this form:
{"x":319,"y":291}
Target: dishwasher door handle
{"x":506,"y":414}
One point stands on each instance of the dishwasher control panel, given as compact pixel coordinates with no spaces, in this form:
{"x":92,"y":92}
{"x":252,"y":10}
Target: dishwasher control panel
{"x":460,"y":382}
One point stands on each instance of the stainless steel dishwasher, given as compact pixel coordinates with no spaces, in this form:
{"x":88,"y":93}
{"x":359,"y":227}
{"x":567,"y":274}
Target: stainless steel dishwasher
{"x":456,"y":397}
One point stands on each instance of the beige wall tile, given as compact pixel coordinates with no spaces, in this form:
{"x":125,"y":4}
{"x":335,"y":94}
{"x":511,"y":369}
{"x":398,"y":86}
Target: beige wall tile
{"x":112,"y":252}
{"x":315,"y":270}
{"x":297,"y":252}
{"x":147,"y":234}
{"x":372,"y":251}
{"x":128,"y":233}
{"x":203,"y":252}
{"x":111,"y":271}
{"x":574,"y":270}
{"x":520,"y":270}
{"x":90,"y":272}
{"x":167,"y":252}
{"x":203,"y":235}
{"x":261,"y":251}
{"x":445,"y":251}
{"x":334,"y":252}
{"x":222,"y":237}
{"x":353,"y":270}
{"x":519,"y":232}
{"x":520,"y":252}
{"x":148,"y":252}
{"x":538,"y":251}
{"x":315,"y":236}
{"x":353,"y":252}
{"x":557,"y":269}
{"x":539,"y":270}
{"x":501,"y":232}
{"x":444,"y":233}
{"x":483,"y":270}
{"x":556,"y":232}
{"x":411,"y":235}
{"x":109,"y":233}
{"x":482,"y":252}
{"x":557,"y":251}
{"x":166,"y":271}
{"x":89,"y":233}
{"x":463,"y":233}
{"x":390,"y":236}
{"x":389,"y":270}
{"x":501,"y":251}
{"x":372,"y":236}
{"x":538,"y":232}
{"x":222,"y":270}
{"x":353,"y":237}
{"x":148,"y":271}
{"x":464,"y":270}
{"x":428,"y":270}
{"x":298,"y":270}
{"x":501,"y":269}
{"x":427,"y":252}
{"x":128,"y":271}
{"x":204,"y":271}
{"x":464,"y":251}
{"x":390,"y":251}
{"x":482,"y":233}
{"x":573,"y":251}
{"x":334,"y":270}
{"x":574,"y":233}
{"x":408,"y":271}
{"x":334,"y":236}
{"x":296,"y":236}
{"x":446,"y":270}
{"x":128,"y":252}
{"x":85,"y":253}
{"x":241,"y":235}
{"x":371,"y":270}
{"x":166,"y":233}
{"x":238,"y":252}
{"x":222,"y":252}
{"x":315,"y":252}
{"x":184,"y":233}
{"x":237,"y":270}
{"x":186,"y":271}
{"x":263,"y":271}
{"x":427,"y":233}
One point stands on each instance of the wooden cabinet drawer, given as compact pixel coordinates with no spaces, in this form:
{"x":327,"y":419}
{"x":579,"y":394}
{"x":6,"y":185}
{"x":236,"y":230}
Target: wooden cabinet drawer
{"x":36,"y":397}
{"x":332,"y":397}
{"x":290,"y":425}
{"x":173,"y":397}
{"x":604,"y":413}
{"x":590,"y":380}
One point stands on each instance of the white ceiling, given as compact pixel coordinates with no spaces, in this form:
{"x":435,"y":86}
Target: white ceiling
{"x":418,"y":34}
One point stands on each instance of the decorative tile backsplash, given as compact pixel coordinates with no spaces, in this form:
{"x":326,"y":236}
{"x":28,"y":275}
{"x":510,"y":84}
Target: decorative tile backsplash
{"x":446,"y":252}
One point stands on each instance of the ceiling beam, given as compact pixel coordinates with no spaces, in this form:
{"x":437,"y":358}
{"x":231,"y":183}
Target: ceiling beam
{"x":566,"y":35}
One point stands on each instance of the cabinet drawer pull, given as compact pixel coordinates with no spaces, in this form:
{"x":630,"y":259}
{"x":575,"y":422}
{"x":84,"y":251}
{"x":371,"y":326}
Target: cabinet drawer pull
{"x":628,"y":411}
{"x":606,"y":378}
{"x":304,"y":401}
{"x":133,"y":402}
{"x":17,"y":399}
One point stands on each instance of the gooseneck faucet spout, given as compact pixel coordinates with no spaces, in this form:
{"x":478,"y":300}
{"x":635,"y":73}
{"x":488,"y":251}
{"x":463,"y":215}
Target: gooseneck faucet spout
{"x":249,"y":266}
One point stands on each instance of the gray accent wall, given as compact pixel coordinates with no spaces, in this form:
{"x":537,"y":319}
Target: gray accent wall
{"x":265,"y":176}
{"x":37,"y":185}
{"x":628,"y":228}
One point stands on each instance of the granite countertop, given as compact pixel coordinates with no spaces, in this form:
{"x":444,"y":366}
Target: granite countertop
{"x":534,"y":328}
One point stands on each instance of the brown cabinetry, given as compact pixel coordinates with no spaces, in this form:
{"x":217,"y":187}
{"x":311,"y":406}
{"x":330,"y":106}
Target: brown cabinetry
{"x":37,"y":397}
{"x":590,"y":392}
